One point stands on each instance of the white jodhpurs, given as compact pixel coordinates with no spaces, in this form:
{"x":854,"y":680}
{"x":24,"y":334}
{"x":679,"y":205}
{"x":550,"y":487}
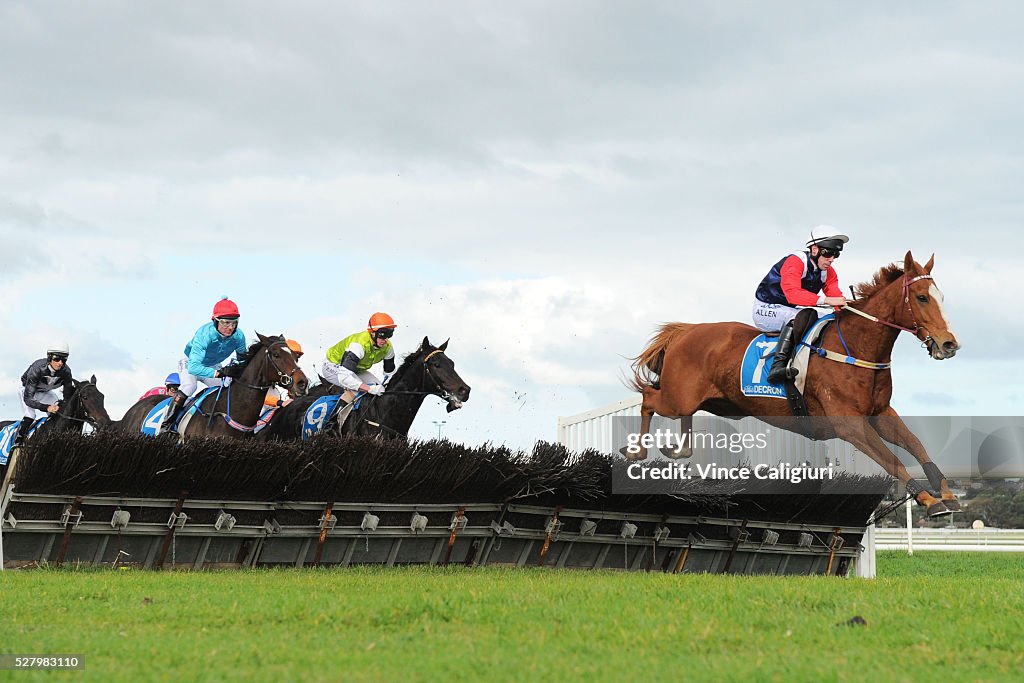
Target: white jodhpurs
{"x":345,"y":378}
{"x":189,"y":382}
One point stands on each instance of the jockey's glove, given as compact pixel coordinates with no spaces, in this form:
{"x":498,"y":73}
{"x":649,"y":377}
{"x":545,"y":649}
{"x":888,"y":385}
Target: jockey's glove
{"x":376,"y":389}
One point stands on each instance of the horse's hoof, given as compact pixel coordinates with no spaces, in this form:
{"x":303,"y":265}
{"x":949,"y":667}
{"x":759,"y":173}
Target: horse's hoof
{"x":938,"y":509}
{"x":642,"y":455}
{"x":952,"y":504}
{"x":676,"y":453}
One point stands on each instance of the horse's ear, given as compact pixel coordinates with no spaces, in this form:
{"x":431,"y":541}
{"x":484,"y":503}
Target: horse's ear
{"x":426,"y":343}
{"x":908,"y":262}
{"x":928,"y":266}
{"x":445,"y":345}
{"x":92,"y":379}
{"x":263,"y":340}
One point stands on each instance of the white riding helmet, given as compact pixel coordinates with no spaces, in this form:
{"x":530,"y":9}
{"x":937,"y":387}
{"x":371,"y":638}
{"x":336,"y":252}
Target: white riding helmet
{"x":59,"y":349}
{"x":826,"y":233}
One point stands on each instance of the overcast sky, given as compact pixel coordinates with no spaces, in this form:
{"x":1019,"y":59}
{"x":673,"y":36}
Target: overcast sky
{"x":541,"y":182}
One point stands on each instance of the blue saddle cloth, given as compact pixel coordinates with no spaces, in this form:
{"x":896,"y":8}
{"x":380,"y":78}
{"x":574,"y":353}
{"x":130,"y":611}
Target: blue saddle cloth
{"x":760,"y":356}
{"x":155,"y":416}
{"x":320,"y":413}
{"x":9,"y":433}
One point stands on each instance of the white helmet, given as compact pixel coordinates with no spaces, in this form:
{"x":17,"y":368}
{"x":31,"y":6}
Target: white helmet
{"x":59,"y":349}
{"x":827,"y":236}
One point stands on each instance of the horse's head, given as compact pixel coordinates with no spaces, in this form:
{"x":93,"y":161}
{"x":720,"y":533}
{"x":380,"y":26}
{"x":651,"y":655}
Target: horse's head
{"x":90,"y":398}
{"x":923,"y":305}
{"x":440,"y":369}
{"x":275,"y":363}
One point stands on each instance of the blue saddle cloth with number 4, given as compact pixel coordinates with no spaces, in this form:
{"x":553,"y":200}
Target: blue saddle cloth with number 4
{"x":760,"y":355}
{"x":155,"y":416}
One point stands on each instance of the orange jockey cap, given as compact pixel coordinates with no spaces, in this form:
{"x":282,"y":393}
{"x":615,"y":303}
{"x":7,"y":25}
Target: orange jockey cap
{"x":380,"y":321}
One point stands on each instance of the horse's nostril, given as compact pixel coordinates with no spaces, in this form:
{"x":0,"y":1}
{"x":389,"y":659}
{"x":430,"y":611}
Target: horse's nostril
{"x":464,"y":393}
{"x":951,"y":346}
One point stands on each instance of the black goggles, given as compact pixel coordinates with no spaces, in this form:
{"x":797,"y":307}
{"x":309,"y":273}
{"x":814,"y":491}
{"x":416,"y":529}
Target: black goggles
{"x":829,"y":252}
{"x":56,"y":357}
{"x":384,"y":333}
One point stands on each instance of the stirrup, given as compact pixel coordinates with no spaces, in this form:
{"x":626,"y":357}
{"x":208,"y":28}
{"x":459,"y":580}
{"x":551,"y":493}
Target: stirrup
{"x":780,"y":375}
{"x":170,"y":421}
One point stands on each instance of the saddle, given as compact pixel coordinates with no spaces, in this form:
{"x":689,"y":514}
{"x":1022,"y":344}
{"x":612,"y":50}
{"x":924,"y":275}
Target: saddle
{"x":9,"y":433}
{"x":760,"y":353}
{"x":155,"y":416}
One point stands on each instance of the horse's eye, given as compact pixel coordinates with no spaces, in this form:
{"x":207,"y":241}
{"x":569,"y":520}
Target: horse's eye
{"x":923,"y":298}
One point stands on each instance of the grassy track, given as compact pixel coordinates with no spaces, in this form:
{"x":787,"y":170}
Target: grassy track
{"x":946,"y":616}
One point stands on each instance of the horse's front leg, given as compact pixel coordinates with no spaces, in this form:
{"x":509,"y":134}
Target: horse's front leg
{"x":864,"y":437}
{"x":890,"y":426}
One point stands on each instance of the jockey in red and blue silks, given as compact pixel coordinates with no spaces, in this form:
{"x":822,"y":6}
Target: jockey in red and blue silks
{"x":797,"y":283}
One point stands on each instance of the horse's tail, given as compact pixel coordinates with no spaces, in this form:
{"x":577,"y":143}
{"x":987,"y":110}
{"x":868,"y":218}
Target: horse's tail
{"x":648,"y":365}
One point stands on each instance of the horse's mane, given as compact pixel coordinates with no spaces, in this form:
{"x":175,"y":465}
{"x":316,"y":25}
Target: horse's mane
{"x":885,"y":276}
{"x":410,"y":360}
{"x":271,"y":339}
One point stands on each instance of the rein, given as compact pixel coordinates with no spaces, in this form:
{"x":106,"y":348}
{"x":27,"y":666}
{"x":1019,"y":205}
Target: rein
{"x":426,"y":371}
{"x":284,"y":379}
{"x":916,"y":329}
{"x":87,"y":419}
{"x":848,"y":359}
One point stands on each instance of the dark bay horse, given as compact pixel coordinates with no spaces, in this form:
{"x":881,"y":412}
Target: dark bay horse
{"x":427,"y":371}
{"x":83,"y":406}
{"x":691,"y":367}
{"x":233,"y":411}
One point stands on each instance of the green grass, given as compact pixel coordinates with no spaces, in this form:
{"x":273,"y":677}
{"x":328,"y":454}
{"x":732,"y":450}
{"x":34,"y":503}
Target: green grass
{"x":952,"y":616}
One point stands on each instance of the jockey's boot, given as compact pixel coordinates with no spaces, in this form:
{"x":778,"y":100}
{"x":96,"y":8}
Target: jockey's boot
{"x":788,"y":339}
{"x":783,"y":351}
{"x":173,"y":411}
{"x":23,"y":430}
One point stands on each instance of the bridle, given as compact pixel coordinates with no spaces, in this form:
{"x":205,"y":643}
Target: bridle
{"x":76,"y":397}
{"x":926,"y":341}
{"x":283,"y":378}
{"x":439,"y":391}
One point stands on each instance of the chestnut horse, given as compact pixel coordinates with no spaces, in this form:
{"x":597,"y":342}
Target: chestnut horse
{"x":691,"y":367}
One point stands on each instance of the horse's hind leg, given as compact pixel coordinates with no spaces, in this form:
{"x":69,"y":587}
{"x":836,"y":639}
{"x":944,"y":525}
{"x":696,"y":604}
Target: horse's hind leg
{"x":683,"y":448}
{"x":890,"y":426}
{"x":634,"y":450}
{"x":654,"y":403}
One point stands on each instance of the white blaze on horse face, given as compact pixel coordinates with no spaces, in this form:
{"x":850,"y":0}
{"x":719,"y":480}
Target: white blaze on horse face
{"x":936,"y":295}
